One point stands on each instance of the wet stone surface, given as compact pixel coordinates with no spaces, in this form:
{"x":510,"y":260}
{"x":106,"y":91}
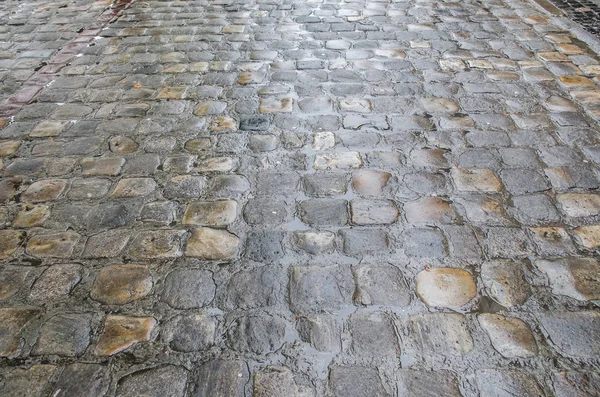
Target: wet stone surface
{"x":325,"y":198}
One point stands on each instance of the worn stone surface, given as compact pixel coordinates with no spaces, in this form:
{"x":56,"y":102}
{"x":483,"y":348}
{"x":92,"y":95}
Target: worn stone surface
{"x":121,"y":284}
{"x":577,"y":278}
{"x":122,"y":332}
{"x":32,"y":381}
{"x":64,"y":335}
{"x":445,"y":287}
{"x":189,"y":288}
{"x":56,"y":282}
{"x":510,"y":336}
{"x":154,"y":382}
{"x":283,"y":182}
{"x":212,"y":244}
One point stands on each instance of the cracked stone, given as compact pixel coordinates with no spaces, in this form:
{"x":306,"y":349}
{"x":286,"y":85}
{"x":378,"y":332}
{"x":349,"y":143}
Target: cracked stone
{"x":212,"y":244}
{"x":121,"y":284}
{"x":122,"y":332}
{"x":56,"y":282}
{"x":445,"y":287}
{"x":161,"y":381}
{"x":12,"y":321}
{"x":65,"y":335}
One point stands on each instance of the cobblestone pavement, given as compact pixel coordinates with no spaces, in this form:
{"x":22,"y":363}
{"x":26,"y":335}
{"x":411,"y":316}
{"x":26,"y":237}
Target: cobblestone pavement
{"x":297,"y":198}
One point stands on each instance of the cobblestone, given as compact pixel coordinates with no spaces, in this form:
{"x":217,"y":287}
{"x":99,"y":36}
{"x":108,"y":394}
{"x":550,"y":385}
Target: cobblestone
{"x":287,"y":198}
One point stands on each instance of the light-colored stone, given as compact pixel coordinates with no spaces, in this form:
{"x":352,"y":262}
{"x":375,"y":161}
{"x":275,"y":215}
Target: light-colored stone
{"x":10,"y":240}
{"x":355,"y":105}
{"x":323,"y":140}
{"x":9,"y":147}
{"x":370,"y":182}
{"x":589,"y":236}
{"x":101,"y":166}
{"x":121,"y":284}
{"x":578,"y":278}
{"x":12,"y":321}
{"x":342,"y":160}
{"x":373,"y":212}
{"x":273,"y":105}
{"x":212,"y":244}
{"x":55,"y":245}
{"x":45,"y":190}
{"x":510,"y":336}
{"x":505,"y":282}
{"x":122,"y":332}
{"x":476,"y":180}
{"x":211,"y":213}
{"x":439,"y":105}
{"x":157,"y":244}
{"x":430,"y":210}
{"x":31,"y":215}
{"x":445,"y":287}
{"x":134,"y":187}
{"x":579,"y":204}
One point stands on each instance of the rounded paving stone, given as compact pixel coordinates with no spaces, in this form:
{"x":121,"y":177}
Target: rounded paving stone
{"x":445,"y":287}
{"x":121,"y":284}
{"x":189,"y":289}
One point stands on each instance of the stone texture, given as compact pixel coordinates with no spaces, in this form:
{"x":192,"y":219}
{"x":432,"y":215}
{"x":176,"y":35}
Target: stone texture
{"x":56,"y":282}
{"x":505,"y":282}
{"x":56,"y":245}
{"x":188,"y":289}
{"x":499,"y":383}
{"x":577,"y":278}
{"x":28,"y":382}
{"x":212,"y":213}
{"x":258,"y":334}
{"x":167,"y":380}
{"x":380,"y":285}
{"x":414,"y":383}
{"x":161,"y":245}
{"x":221,"y":378}
{"x":66,"y":335}
{"x":46,"y":190}
{"x":10,"y":240}
{"x":572,"y":333}
{"x":373,"y":212}
{"x":13,"y":321}
{"x":510,"y":336}
{"x":212,"y":244}
{"x":86,"y":380}
{"x":314,"y":287}
{"x":445,"y":287}
{"x":191,"y":333}
{"x":122,"y":332}
{"x":355,"y":382}
{"x":121,"y":284}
